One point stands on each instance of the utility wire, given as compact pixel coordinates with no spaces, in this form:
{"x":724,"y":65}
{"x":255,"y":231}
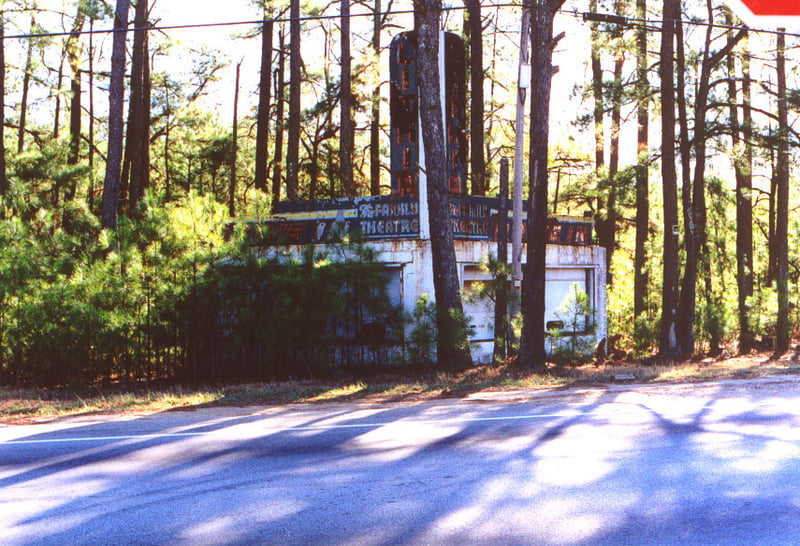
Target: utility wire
{"x":619,"y":20}
{"x":608,"y":18}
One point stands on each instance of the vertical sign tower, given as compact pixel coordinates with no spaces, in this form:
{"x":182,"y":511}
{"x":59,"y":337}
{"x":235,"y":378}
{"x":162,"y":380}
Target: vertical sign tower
{"x":406,"y":152}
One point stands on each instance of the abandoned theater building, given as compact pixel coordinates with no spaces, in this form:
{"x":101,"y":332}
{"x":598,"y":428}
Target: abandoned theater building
{"x":397,"y":225}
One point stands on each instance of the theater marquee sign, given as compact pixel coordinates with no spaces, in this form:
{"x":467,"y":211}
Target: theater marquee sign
{"x":395,"y":217}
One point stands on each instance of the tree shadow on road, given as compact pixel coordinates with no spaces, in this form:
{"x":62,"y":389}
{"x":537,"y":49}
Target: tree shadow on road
{"x":443,"y":472}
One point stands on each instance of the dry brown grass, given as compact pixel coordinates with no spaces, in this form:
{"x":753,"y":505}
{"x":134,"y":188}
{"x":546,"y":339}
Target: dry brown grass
{"x":25,"y":406}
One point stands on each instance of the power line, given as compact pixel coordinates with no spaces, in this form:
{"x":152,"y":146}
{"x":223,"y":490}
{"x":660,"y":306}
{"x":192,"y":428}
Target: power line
{"x":255,"y":22}
{"x":619,"y":20}
{"x":608,"y":18}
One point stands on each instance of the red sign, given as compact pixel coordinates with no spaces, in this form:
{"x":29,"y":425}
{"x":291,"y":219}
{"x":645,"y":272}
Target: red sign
{"x":766,"y":12}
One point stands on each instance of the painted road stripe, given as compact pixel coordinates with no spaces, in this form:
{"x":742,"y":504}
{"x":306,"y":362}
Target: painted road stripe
{"x":287,"y":429}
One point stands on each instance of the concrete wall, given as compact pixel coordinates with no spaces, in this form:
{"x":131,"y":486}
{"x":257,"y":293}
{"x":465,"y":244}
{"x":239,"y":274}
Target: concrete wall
{"x":566,"y":265}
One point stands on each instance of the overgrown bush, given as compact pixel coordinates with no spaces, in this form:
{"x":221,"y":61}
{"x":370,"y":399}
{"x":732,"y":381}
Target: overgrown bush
{"x":421,"y":346}
{"x":262,"y":317}
{"x":574,"y":342}
{"x":79,"y":305}
{"x":165,"y":297}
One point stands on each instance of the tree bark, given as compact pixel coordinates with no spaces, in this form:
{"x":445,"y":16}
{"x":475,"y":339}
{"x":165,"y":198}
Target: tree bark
{"x":277,"y":173}
{"x":91,"y":112}
{"x":167,"y":131}
{"x":772,"y":247}
{"x":147,"y":90}
{"x":687,"y":296}
{"x":783,"y":327}
{"x":519,"y":152}
{"x":235,"y":144}
{"x":613,"y":160}
{"x":3,"y":176}
{"x":741,"y":140}
{"x":264,"y":99}
{"x":375,"y":123}
{"x":453,"y":350}
{"x":695,"y":207}
{"x":685,"y":346}
{"x":73,"y":47}
{"x":668,"y":342}
{"x":641,"y":276}
{"x":57,"y":114}
{"x":501,"y":292}
{"x":26,"y":83}
{"x":532,"y":349}
{"x":293,"y":145}
{"x":346,"y":131}
{"x":597,"y":92}
{"x":136,"y":162}
{"x":116,"y":97}
{"x":605,"y":201}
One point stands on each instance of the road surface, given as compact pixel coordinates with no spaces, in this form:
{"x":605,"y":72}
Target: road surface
{"x":706,"y":464}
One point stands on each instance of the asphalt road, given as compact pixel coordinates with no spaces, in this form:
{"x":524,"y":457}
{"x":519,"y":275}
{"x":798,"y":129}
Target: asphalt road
{"x":710,"y":464}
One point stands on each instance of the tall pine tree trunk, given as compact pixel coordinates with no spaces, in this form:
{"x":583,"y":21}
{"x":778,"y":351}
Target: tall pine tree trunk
{"x":57,"y":114}
{"x":453,"y":350}
{"x":264,"y":99}
{"x":741,"y":136}
{"x":772,"y":247}
{"x":293,"y":145}
{"x":167,"y":135}
{"x":601,"y":220}
{"x":346,"y":129}
{"x":613,"y":160}
{"x":687,"y":298}
{"x":116,"y":97}
{"x":235,"y":144}
{"x":74,"y":55}
{"x":147,"y":90}
{"x":689,"y":228}
{"x":91,"y":113}
{"x":3,"y":176}
{"x":26,"y":83}
{"x":695,"y":216}
{"x":597,"y":95}
{"x":375,"y":122}
{"x":280,"y":101}
{"x":641,"y":277}
{"x":134,"y":162}
{"x":501,"y":278}
{"x":783,"y":328}
{"x":532,"y":349}
{"x":668,"y":340}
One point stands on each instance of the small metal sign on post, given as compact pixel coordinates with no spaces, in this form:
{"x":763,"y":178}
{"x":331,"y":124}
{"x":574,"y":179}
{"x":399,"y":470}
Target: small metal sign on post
{"x":767,"y":13}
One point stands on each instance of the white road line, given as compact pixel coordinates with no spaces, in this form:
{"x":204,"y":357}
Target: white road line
{"x":289,"y":429}
{"x":104,"y":438}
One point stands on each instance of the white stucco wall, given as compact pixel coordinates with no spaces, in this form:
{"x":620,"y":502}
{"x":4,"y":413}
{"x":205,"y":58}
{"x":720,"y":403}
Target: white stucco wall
{"x":565,"y":264}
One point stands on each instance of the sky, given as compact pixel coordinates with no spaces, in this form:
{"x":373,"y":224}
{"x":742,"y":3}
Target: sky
{"x":176,"y":12}
{"x":197,"y":12}
{"x":232,"y":48}
{"x":570,"y":55}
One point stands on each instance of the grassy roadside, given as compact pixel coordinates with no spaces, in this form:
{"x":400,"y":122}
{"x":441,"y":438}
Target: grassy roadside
{"x":17,"y":406}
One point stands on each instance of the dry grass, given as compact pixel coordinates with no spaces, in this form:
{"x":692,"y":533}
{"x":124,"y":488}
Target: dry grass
{"x":21,"y":405}
{"x":24,"y":406}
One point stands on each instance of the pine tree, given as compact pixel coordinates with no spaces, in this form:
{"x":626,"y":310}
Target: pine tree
{"x":116,"y":97}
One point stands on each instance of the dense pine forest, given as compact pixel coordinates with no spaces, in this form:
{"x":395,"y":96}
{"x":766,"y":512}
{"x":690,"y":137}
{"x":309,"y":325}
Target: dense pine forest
{"x":129,"y":145}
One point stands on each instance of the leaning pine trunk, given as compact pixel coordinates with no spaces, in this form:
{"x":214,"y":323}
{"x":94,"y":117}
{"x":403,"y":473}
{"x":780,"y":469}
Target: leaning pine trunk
{"x":116,"y":97}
